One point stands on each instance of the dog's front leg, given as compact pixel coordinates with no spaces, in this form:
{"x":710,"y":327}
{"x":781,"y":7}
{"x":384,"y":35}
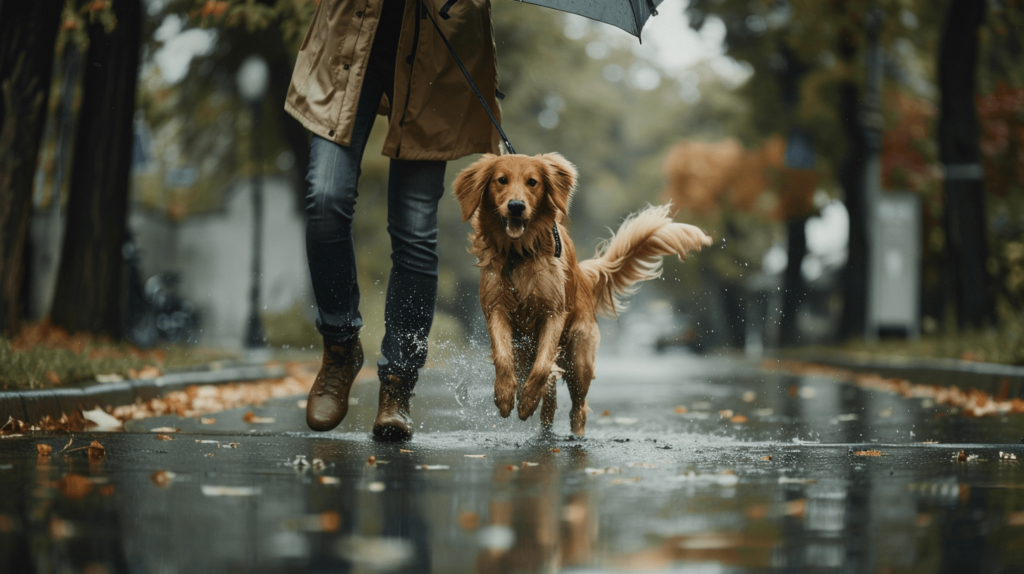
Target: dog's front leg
{"x":547,"y":349}
{"x":504,"y":361}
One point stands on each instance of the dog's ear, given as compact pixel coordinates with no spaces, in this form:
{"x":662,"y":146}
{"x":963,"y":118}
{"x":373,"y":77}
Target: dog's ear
{"x":471,"y":183}
{"x":559,"y":179}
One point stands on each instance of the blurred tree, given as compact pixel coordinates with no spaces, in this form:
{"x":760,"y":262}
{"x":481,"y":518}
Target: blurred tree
{"x":959,"y":147}
{"x":90,"y":284}
{"x":828,"y":38}
{"x":28,"y":31}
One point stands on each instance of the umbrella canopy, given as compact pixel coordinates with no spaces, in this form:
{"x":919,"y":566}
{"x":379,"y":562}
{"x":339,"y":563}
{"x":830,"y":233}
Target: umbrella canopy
{"x":629,"y":15}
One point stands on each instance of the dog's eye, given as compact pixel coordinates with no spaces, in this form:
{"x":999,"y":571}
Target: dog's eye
{"x":531,"y":182}
{"x":503,"y":180}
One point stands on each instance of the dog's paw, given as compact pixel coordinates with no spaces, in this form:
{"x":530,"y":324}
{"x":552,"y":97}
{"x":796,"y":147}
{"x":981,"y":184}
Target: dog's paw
{"x":504,"y":396}
{"x":504,"y":406}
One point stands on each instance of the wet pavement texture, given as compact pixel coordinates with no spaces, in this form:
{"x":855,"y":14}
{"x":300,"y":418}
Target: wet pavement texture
{"x":689,"y":465}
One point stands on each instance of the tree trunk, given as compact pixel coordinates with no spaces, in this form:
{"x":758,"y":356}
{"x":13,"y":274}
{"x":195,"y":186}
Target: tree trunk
{"x":28,"y":31}
{"x":794,"y":287}
{"x":960,"y":152}
{"x":90,"y":287}
{"x":851,"y":178}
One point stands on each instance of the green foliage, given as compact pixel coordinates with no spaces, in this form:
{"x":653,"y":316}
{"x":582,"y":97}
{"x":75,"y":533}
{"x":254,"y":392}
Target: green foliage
{"x":824,"y":41}
{"x":42,"y":367}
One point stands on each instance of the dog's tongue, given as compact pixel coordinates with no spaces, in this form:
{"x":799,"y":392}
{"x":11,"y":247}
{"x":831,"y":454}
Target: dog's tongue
{"x":514,"y":227}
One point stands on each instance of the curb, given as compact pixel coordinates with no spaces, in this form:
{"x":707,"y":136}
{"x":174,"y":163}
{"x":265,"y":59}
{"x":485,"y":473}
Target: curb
{"x":32,"y":406}
{"x":995,"y":379}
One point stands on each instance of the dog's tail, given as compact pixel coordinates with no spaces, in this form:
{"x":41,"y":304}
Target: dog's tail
{"x":634,"y":253}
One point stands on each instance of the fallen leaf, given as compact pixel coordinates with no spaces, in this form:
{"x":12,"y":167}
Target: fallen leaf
{"x":434,"y":467}
{"x":207,"y":421}
{"x":210,"y":490}
{"x":633,"y":480}
{"x":102,"y":420}
{"x":766,"y":457}
{"x":250,"y":417}
{"x":165,"y":429}
{"x":749,"y":396}
{"x":60,"y":529}
{"x":404,"y":450}
{"x":511,"y":467}
{"x":162,"y":478}
{"x":788,"y":480}
{"x":739,"y":419}
{"x":96,"y":450}
{"x":107,"y":490}
{"x":868,"y":453}
{"x":330,"y":521}
{"x":961,"y":456}
{"x":163,"y":437}
{"x":111,"y":378}
{"x":147,"y":372}
{"x":209,"y":454}
{"x":469,"y":520}
{"x":556,"y":450}
{"x":757,"y":511}
{"x":726,"y":413}
{"x":680,"y":410}
{"x":52,"y":377}
{"x":44,"y":449}
{"x":796,"y":508}
{"x":372,"y":460}
{"x":725,"y":478}
{"x":475,"y":455}
{"x":606,"y":413}
{"x":609,"y":470}
{"x":328,"y":480}
{"x":74,"y":486}
{"x":526,"y":464}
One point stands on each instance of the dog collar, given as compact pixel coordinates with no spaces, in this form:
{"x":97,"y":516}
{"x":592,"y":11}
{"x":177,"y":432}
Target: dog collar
{"x":558,"y":241}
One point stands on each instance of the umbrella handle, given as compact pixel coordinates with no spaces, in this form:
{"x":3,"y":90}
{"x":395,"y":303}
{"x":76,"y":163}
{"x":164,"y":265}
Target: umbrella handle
{"x":501,"y":132}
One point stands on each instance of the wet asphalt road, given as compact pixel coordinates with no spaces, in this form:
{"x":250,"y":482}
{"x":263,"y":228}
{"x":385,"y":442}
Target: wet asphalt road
{"x":651,"y":488}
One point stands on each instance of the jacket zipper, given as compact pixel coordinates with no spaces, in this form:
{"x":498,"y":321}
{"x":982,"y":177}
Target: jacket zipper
{"x":408,"y":89}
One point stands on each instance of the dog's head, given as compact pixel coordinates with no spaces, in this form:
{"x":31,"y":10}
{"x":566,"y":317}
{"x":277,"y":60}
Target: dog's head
{"x":516,"y":190}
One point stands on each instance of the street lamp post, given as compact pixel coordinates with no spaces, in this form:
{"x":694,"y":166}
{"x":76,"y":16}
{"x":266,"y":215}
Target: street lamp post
{"x":253,"y":77}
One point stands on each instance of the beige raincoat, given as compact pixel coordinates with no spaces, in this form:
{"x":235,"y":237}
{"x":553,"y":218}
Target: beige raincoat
{"x":435,"y":115}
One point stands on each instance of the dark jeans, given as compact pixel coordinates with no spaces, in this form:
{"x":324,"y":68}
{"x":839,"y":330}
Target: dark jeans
{"x":414,"y":189}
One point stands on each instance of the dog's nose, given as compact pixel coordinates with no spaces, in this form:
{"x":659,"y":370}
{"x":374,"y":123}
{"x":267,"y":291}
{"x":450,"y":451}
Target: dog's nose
{"x":516,"y":208}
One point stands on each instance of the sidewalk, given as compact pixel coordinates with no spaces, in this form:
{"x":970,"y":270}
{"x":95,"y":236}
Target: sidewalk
{"x":32,"y":406}
{"x":1001,"y":381}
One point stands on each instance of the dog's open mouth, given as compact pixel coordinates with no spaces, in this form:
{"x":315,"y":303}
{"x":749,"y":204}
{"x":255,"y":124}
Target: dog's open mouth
{"x":514,"y":226}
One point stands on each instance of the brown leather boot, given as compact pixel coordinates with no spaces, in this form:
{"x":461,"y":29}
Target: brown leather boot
{"x":328,"y":399}
{"x":393,"y":420}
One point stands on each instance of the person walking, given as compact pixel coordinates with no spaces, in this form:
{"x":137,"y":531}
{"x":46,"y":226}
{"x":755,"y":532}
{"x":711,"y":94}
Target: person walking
{"x":361,"y":58}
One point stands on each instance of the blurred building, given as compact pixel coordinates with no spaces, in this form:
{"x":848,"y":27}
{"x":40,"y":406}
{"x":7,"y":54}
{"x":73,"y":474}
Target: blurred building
{"x":210,"y":256}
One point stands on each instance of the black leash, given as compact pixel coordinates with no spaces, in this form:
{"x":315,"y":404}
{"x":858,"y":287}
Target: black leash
{"x":444,"y":14}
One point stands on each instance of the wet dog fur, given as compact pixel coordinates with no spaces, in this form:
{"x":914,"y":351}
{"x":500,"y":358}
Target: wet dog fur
{"x":541,"y":306}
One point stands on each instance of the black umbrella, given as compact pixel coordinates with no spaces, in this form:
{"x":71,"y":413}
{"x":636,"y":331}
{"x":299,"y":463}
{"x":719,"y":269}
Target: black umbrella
{"x":630,"y":15}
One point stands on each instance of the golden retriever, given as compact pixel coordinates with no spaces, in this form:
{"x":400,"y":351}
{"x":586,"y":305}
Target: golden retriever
{"x":541,"y":305}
